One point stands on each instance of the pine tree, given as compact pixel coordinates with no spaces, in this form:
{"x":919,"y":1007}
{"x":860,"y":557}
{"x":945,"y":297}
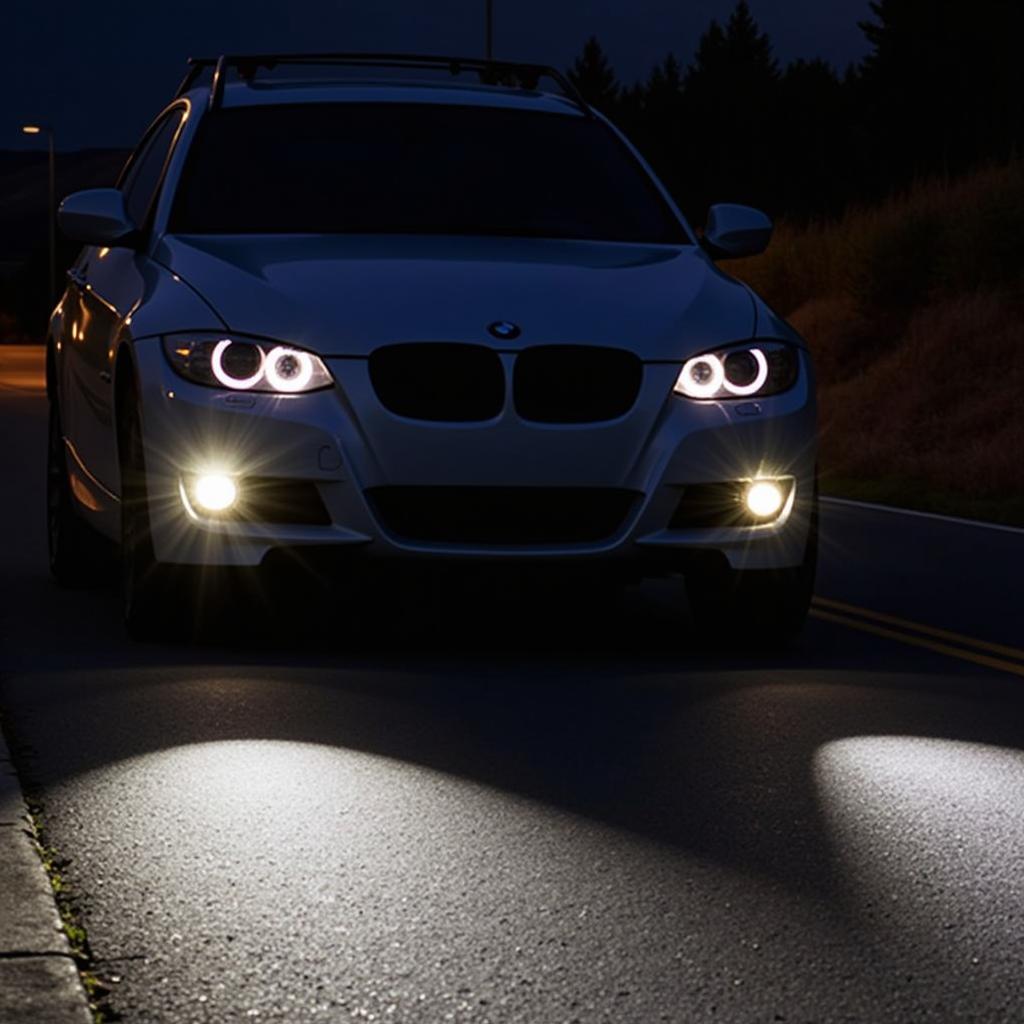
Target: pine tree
{"x":593,"y":75}
{"x":709,"y":56}
{"x":665,"y":85}
{"x":730,"y":95}
{"x":818,"y":175}
{"x":747,"y":47}
{"x":664,"y":138}
{"x":944,"y":83}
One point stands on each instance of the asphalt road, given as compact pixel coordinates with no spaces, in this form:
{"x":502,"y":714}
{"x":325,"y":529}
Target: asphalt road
{"x":556,"y":816}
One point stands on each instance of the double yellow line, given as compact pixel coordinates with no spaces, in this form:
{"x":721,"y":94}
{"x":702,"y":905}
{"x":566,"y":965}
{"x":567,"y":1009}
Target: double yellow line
{"x":955,"y":645}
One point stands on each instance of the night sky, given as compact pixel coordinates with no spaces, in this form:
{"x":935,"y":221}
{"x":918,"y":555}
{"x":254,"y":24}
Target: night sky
{"x":99,"y":71}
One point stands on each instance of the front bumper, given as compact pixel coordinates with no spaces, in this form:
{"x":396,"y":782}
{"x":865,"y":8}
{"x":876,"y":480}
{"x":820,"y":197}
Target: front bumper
{"x":343,"y":441}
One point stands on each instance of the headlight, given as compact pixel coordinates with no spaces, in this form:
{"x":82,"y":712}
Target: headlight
{"x":245,"y":364}
{"x":756,"y":369}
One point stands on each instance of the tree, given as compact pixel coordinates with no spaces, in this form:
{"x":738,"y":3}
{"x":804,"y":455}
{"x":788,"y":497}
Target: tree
{"x":737,"y":62}
{"x":593,"y":75}
{"x":818,"y":174}
{"x":631,"y":114}
{"x":665,"y":88}
{"x":664,"y":135}
{"x":748,"y":48}
{"x":730,"y":96}
{"x":943,"y":84}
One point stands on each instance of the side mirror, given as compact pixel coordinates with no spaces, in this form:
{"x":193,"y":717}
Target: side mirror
{"x":96,"y":216}
{"x":733,"y":231}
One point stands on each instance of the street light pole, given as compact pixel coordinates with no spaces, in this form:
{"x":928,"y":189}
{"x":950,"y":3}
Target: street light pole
{"x":490,"y":29}
{"x":38,"y":129}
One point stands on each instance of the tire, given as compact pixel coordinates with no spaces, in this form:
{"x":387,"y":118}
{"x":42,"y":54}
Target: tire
{"x":77,"y":553}
{"x":762,"y":608}
{"x":150,"y":592}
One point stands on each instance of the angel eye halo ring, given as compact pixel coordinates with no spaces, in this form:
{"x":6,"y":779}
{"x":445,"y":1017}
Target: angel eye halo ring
{"x":758,"y":368}
{"x":288,"y":369}
{"x":239,"y":363}
{"x":760,"y":375}
{"x":228,"y":379}
{"x":702,"y":377}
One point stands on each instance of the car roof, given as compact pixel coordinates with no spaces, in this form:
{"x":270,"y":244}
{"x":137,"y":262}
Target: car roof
{"x":277,"y":78}
{"x":254,"y":94}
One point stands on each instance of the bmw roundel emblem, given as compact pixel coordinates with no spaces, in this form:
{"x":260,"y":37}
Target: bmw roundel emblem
{"x":503,"y":330}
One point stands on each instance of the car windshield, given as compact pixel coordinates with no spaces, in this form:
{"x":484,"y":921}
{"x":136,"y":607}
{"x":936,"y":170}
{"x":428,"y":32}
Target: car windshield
{"x":437,"y":169}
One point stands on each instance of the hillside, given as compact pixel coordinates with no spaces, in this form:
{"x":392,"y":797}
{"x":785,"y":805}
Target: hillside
{"x":914,"y":311}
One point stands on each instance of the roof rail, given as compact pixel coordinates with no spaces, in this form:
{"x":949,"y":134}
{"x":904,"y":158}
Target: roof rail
{"x":490,"y":72}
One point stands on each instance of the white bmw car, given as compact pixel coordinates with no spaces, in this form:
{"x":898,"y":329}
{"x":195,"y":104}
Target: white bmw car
{"x":416,"y":308}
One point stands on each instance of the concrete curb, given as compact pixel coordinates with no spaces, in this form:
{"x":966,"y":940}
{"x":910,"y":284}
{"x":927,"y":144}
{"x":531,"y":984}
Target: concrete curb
{"x":39,"y":981}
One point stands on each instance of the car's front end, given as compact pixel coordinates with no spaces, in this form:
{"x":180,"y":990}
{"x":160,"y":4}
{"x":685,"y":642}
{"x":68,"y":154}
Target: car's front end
{"x":452,"y":325}
{"x":609,"y":439}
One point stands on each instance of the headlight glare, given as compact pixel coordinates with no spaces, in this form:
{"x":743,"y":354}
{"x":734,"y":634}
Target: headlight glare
{"x":215,"y":492}
{"x":245,"y":364}
{"x":764,"y":498}
{"x":756,"y":369}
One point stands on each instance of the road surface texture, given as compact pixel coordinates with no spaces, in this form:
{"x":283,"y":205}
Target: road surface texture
{"x":540,"y":816}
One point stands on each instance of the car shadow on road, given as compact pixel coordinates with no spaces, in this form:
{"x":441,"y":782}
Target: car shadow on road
{"x":614,"y":711}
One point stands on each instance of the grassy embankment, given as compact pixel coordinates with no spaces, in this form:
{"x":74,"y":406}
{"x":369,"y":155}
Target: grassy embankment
{"x":914,"y":311}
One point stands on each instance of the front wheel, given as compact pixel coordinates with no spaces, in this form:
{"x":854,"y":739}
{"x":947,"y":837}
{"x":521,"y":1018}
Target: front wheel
{"x":755,"y":607}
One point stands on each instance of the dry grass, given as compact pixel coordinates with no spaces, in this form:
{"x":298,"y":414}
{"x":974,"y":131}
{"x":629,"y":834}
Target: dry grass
{"x":942,"y":407}
{"x":940,"y":236}
{"x":915,"y":313}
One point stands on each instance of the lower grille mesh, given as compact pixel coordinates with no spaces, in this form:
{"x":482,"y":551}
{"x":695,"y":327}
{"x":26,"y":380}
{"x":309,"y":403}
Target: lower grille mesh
{"x":502,"y":515}
{"x":280,"y":501}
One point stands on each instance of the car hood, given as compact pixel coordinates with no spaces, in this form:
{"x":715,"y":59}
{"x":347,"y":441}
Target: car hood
{"x":347,"y":295}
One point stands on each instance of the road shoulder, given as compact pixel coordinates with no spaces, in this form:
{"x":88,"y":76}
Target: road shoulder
{"x":38,"y":977}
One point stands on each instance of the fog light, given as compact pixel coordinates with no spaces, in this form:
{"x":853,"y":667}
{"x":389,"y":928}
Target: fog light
{"x":764,"y":499}
{"x":214,"y":492}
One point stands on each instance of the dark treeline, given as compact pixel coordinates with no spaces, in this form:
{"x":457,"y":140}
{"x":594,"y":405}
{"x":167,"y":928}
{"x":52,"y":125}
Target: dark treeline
{"x":941,"y":90}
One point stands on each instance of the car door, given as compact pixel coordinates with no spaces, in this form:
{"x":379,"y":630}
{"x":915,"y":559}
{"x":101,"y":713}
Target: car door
{"x":106,"y":284}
